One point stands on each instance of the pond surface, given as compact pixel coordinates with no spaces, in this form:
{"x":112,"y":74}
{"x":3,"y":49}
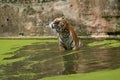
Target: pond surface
{"x":44,"y":59}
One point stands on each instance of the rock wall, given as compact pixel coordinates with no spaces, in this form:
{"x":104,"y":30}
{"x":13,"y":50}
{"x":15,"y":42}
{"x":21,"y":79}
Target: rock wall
{"x":9,"y":20}
{"x":100,"y":16}
{"x":27,"y":19}
{"x":32,"y":17}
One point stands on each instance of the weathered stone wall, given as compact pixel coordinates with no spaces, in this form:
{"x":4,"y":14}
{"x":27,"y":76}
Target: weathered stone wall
{"x":27,"y":19}
{"x":9,"y":20}
{"x":100,"y":16}
{"x":25,"y":1}
{"x":32,"y":17}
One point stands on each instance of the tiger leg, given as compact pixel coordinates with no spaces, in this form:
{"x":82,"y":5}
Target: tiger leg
{"x":61,"y":48}
{"x":76,"y":46}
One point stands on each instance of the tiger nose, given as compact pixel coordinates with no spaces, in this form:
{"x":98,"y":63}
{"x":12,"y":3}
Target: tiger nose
{"x":52,"y":25}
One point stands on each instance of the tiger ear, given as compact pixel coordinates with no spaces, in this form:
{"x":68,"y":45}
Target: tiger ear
{"x":63,"y":17}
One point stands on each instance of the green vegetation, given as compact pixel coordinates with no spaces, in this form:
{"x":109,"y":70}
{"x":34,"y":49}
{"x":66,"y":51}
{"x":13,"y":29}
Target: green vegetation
{"x":100,"y":75}
{"x":106,"y":44}
{"x":9,"y":46}
{"x":30,"y":58}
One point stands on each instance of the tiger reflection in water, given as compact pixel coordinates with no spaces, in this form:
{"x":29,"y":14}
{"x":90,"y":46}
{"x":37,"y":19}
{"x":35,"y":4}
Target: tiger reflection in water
{"x":67,"y":37}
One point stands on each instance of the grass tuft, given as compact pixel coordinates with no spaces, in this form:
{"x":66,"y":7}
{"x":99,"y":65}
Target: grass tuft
{"x":100,"y":75}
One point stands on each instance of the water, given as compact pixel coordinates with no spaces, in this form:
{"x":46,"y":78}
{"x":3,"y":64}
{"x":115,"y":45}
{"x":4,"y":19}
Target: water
{"x":44,"y":59}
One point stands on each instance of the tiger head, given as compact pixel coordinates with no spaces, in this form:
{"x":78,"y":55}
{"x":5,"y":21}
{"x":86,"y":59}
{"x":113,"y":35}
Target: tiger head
{"x":59,"y":24}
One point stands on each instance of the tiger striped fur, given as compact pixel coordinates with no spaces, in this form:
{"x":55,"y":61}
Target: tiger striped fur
{"x":67,"y":37}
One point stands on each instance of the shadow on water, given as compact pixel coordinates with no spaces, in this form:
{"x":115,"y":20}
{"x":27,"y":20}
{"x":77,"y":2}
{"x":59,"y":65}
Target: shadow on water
{"x":44,"y":59}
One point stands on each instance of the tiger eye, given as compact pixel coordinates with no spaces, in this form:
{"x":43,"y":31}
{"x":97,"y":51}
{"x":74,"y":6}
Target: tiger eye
{"x":56,"y":22}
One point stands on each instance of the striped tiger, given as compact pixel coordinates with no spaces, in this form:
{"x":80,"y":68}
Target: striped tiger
{"x":67,"y":37}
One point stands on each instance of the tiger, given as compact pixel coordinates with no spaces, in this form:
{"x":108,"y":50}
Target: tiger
{"x":67,"y":37}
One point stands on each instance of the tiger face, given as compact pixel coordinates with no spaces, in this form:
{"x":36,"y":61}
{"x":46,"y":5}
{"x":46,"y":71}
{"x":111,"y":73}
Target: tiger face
{"x":59,"y":24}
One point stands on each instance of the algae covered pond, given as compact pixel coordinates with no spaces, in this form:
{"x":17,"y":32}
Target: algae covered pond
{"x":37,"y":59}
